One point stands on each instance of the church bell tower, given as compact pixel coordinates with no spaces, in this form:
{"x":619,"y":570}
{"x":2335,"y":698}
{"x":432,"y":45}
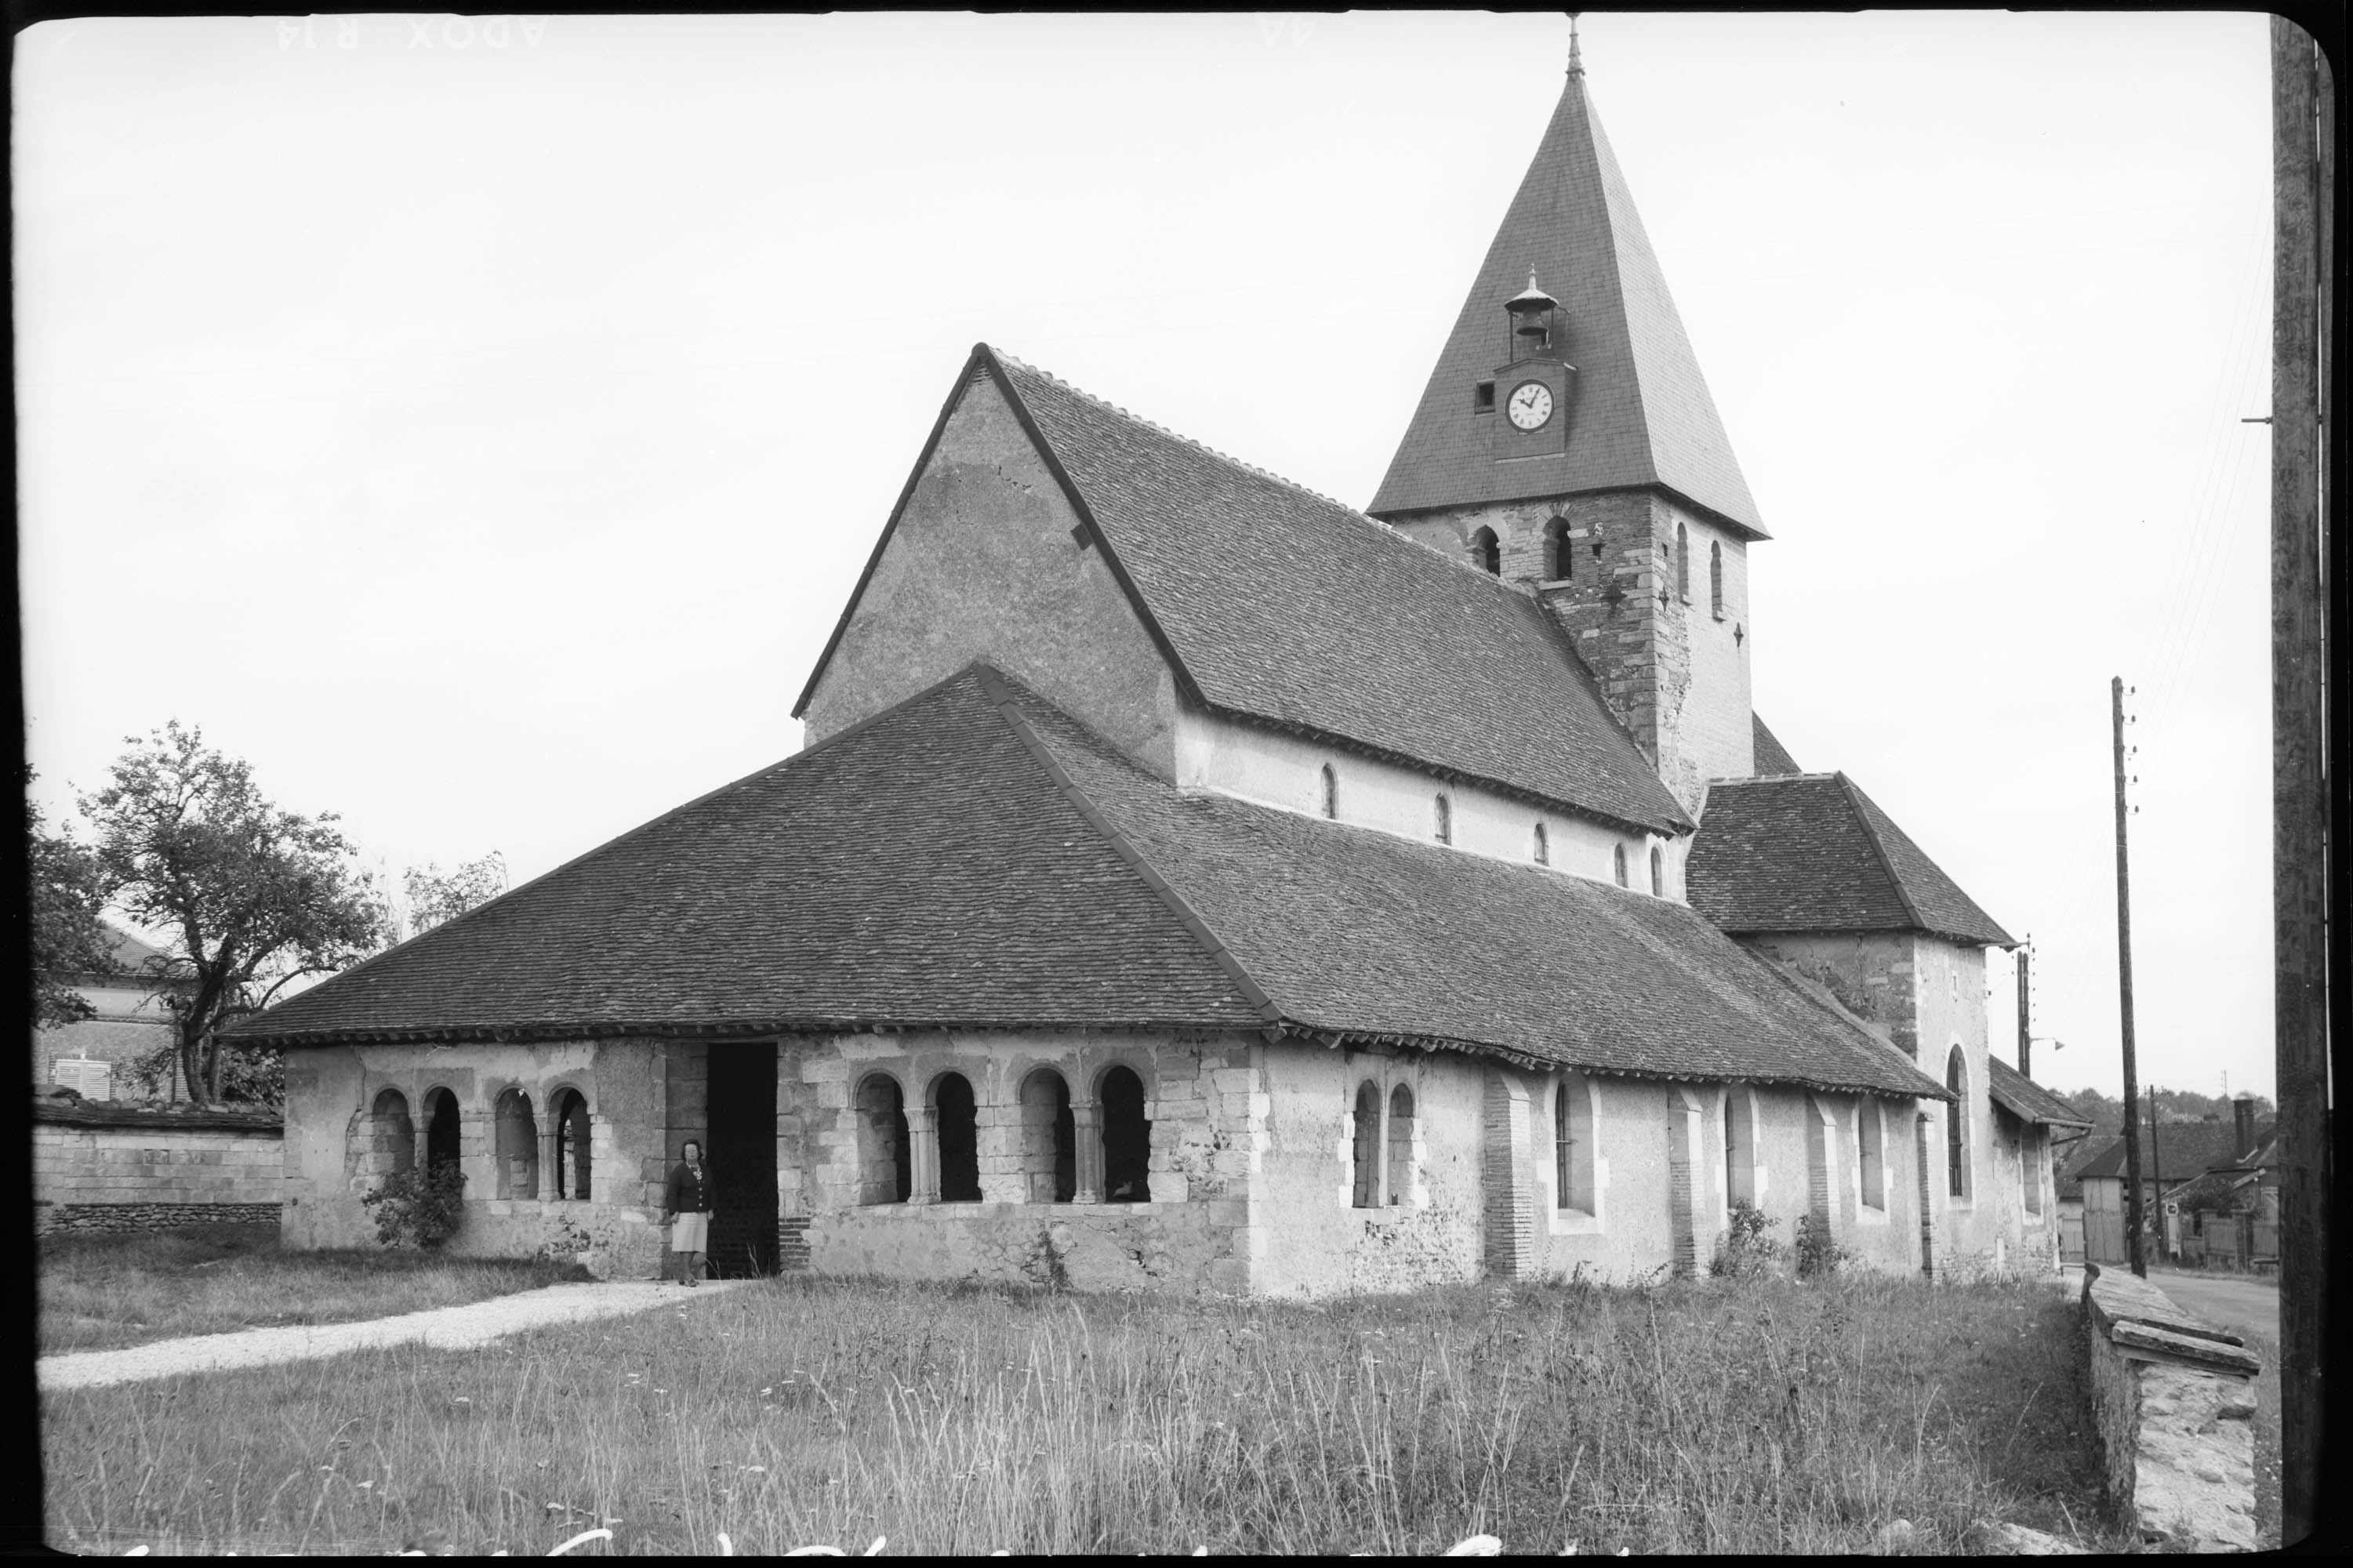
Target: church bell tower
{"x":1566,"y":441}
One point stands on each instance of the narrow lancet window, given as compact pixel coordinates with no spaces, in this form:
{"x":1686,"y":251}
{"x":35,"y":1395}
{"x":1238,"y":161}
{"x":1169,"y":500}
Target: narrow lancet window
{"x":1617,"y":863}
{"x":1683,"y":563}
{"x":1443,"y":817}
{"x":1543,"y":847}
{"x":1331,"y":792}
{"x":1658,"y":873}
{"x":1715,"y":579}
{"x":1957,"y":1122}
{"x":1572,"y":1133}
{"x":1868,"y":1155}
{"x":1400,"y":1172}
{"x":1364,"y":1190}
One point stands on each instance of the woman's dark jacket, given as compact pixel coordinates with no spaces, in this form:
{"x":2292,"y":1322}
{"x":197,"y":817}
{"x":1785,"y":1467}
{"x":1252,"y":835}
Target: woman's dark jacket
{"x":684,"y":1193}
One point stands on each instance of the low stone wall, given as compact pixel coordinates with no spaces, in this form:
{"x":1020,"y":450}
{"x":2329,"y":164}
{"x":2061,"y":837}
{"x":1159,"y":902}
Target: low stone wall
{"x":112,"y":1167}
{"x":2173,"y":1402}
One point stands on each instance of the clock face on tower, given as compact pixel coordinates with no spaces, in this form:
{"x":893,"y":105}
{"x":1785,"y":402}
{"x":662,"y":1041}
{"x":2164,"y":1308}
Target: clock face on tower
{"x":1530,"y":404}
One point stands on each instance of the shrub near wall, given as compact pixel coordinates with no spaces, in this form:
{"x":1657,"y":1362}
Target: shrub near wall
{"x":112,"y":1167}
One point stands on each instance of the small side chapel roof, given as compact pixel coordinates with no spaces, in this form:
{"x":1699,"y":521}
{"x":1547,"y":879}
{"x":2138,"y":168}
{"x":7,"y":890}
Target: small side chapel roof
{"x":2027,"y":1099}
{"x":973,"y":858}
{"x":1285,"y":607}
{"x":1812,"y":852}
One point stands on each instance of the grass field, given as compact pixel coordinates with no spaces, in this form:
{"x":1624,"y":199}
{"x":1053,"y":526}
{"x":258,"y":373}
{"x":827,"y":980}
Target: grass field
{"x":1753,"y":1416}
{"x":98,"y":1292}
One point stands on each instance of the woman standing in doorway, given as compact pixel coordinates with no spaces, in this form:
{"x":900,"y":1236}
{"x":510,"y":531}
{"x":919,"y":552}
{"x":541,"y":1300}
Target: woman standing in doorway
{"x":685,"y":1209}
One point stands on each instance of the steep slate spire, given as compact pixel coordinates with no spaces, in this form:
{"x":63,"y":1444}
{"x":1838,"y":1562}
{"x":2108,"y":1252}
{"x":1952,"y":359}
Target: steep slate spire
{"x":1642,"y":414}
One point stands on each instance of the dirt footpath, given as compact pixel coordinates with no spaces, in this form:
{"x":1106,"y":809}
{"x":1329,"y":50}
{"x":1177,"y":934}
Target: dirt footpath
{"x":445,"y":1328}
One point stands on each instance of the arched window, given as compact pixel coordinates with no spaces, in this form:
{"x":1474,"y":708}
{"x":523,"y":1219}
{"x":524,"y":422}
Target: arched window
{"x":1869,"y":1160}
{"x":1617,"y":861}
{"x":392,"y":1138}
{"x":956,"y":1119}
{"x":1364,"y":1192}
{"x":1715,"y":578}
{"x":1048,"y":1137}
{"x":1572,"y":1145}
{"x":1683,"y":563}
{"x":1126,"y":1139}
{"x":441,"y":1129}
{"x":885,"y":1174}
{"x":1400,"y":1172}
{"x":1544,"y":846}
{"x":1331,"y":792}
{"x":1487,"y":551}
{"x":1739,"y":1146}
{"x":1658,"y":873}
{"x":572,"y":1162}
{"x":1957,"y":1123}
{"x":1443,"y":815}
{"x":1560,"y":560}
{"x":517,"y":1140}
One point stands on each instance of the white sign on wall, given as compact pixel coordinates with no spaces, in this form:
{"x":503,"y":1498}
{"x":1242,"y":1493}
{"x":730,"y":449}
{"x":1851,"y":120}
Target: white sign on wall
{"x":91,"y":1079}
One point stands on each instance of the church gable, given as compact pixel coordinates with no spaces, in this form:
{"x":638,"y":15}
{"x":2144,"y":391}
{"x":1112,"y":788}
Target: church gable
{"x":986,"y":559}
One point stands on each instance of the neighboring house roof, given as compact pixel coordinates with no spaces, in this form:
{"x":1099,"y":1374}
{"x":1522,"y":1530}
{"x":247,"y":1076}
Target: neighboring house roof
{"x":2027,"y":1099}
{"x":2183,"y":1150}
{"x":76,"y":1111}
{"x":976,"y":858}
{"x":1283,"y":606}
{"x":1639,"y":413}
{"x":1811,"y":852}
{"x":132,"y":956}
{"x":1772,"y":757}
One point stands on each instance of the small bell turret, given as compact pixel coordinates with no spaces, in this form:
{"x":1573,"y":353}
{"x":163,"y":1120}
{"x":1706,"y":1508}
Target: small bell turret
{"x":1533,"y":314}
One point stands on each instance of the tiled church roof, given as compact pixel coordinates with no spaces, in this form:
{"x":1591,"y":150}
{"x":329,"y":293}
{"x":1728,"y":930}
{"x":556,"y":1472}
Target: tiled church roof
{"x":974,"y":857}
{"x":1640,"y":413}
{"x":2027,"y":1099}
{"x":1286,"y":607}
{"x":1772,"y":757}
{"x":1811,"y":852}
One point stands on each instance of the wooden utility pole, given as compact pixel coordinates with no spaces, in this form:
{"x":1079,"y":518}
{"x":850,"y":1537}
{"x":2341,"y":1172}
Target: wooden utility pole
{"x":2025,"y":1032}
{"x":2133,"y":1208}
{"x":2155,"y":1172}
{"x":2303,"y":146}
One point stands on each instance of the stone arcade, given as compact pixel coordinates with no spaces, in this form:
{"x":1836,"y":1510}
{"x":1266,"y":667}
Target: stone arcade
{"x":1153,"y":906}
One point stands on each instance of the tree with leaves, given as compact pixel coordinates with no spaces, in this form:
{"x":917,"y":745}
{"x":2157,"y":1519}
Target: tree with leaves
{"x":67,"y":937}
{"x":435,"y":897}
{"x":254,"y":898}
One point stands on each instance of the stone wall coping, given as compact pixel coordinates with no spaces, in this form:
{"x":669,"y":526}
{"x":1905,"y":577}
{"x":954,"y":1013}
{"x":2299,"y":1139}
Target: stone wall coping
{"x":60,"y":1111}
{"x":2136,"y":1315}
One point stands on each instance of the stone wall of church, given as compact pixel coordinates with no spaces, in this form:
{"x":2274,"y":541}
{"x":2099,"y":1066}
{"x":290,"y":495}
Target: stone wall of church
{"x":1287,"y":773}
{"x":983,"y":565}
{"x":339,"y":1145}
{"x":1872,"y":974}
{"x":1198,"y":1228}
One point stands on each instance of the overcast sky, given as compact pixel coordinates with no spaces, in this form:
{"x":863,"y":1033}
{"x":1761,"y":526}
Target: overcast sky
{"x":478,"y":424}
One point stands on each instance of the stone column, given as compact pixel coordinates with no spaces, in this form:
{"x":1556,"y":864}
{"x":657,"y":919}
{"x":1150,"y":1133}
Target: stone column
{"x":1086,"y":1138}
{"x":922,"y":1156}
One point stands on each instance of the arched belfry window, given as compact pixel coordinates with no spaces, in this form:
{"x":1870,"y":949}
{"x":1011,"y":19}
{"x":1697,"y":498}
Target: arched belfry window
{"x":1487,"y":551}
{"x":1560,"y":562}
{"x":1331,"y":792}
{"x":1049,"y":1145}
{"x":1443,"y":817}
{"x":441,"y":1145}
{"x":1618,"y":858}
{"x":1683,"y":563}
{"x":516,"y":1137}
{"x":574,"y":1169}
{"x":885,"y":1172}
{"x":1956,"y":1124}
{"x":1543,"y":847}
{"x":1658,"y":873}
{"x":1715,"y":578}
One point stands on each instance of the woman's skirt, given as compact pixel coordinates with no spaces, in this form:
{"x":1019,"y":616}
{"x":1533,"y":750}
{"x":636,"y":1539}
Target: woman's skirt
{"x":691,"y":1233}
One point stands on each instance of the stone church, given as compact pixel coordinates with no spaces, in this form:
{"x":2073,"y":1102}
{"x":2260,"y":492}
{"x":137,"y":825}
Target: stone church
{"x":1193,"y":882}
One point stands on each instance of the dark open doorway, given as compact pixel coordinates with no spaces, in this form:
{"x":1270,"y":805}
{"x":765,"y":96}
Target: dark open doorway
{"x":744,"y":1158}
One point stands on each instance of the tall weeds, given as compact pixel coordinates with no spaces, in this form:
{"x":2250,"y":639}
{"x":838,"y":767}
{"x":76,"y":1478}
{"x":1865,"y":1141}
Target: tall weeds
{"x":1761,"y":1416}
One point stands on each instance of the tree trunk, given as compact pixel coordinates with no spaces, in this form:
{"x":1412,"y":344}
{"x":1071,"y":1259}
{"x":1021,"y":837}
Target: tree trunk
{"x":192,"y":1067}
{"x":212,"y":1068}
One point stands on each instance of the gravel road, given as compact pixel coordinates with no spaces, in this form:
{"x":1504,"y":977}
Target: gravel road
{"x":445,"y":1328}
